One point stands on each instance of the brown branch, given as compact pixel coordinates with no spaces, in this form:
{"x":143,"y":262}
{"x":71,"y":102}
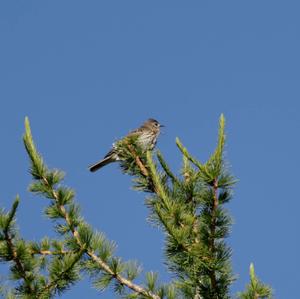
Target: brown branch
{"x":197,"y":293}
{"x":213,"y":230}
{"x":17,"y":260}
{"x":138,"y":160}
{"x":53,"y":284}
{"x":49,"y":252}
{"x":136,"y":288}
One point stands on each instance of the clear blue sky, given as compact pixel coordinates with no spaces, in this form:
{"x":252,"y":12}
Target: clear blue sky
{"x":87,"y":72}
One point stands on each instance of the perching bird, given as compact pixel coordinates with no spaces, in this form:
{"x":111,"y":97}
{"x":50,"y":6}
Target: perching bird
{"x":146,"y":136}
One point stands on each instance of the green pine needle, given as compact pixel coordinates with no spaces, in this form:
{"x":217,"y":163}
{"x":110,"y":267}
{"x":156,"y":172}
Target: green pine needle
{"x":256,"y":289}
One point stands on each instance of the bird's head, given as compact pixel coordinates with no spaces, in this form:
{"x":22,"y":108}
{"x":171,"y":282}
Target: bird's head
{"x":153,"y":124}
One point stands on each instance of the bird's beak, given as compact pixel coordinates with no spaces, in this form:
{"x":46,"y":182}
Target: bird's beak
{"x":162,"y":126}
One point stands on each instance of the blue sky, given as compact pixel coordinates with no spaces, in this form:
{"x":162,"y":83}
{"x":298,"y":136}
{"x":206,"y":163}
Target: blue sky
{"x":87,"y":73}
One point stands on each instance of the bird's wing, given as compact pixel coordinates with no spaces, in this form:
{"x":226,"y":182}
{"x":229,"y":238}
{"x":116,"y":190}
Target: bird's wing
{"x":134,"y":132}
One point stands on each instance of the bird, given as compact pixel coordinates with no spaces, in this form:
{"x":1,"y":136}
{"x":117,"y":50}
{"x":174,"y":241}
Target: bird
{"x":146,"y":137}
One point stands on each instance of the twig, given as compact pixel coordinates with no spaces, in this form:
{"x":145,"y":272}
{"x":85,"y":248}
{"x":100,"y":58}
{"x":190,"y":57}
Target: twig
{"x":213,"y":229}
{"x":49,"y":252}
{"x":53,"y":284}
{"x":138,"y":161}
{"x":17,"y":261}
{"x":136,"y":288}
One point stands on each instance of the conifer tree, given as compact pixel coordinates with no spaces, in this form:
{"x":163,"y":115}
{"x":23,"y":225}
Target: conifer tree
{"x":189,"y":207}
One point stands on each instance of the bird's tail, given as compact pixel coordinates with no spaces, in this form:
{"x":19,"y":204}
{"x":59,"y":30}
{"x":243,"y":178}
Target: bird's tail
{"x":98,"y":165}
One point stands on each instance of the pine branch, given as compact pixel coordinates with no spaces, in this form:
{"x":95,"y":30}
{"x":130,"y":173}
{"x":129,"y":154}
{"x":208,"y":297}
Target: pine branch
{"x":166,"y":168}
{"x":149,"y":171}
{"x":158,"y":186}
{"x":138,"y":289}
{"x":191,"y":213}
{"x":256,"y":289}
{"x":13,"y":253}
{"x":55,"y":284}
{"x":138,"y":161}
{"x":185,"y":152}
{"x":122,"y":280}
{"x":213,"y":229}
{"x":49,"y":252}
{"x":46,"y":185}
